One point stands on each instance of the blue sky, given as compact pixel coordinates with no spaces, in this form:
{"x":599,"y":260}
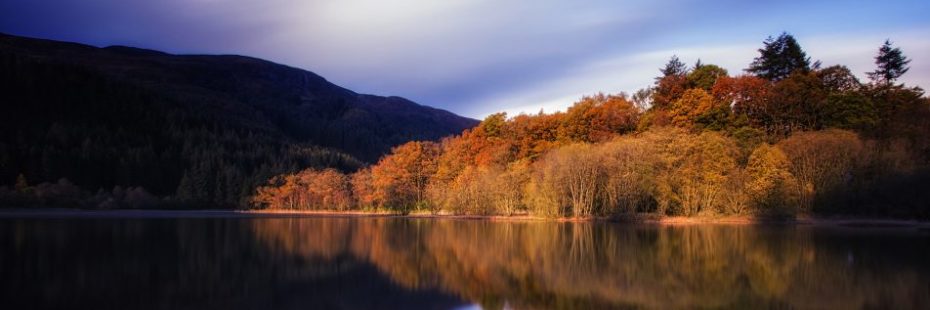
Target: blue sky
{"x":480,"y":56}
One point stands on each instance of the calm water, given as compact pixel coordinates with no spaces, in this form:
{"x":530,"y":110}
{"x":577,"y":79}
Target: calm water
{"x":384,"y":263}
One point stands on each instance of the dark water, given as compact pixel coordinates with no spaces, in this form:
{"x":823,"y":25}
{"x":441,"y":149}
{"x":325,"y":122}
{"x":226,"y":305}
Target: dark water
{"x":384,"y":263}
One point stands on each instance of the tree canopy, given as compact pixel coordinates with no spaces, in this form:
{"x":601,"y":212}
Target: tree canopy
{"x":779,"y":58}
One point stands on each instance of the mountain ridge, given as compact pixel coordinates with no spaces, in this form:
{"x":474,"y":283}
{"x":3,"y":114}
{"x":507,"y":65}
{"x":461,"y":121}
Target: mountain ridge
{"x":257,"y":116}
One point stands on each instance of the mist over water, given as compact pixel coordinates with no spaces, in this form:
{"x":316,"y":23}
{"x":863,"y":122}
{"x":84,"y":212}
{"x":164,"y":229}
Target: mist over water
{"x":361,"y":263}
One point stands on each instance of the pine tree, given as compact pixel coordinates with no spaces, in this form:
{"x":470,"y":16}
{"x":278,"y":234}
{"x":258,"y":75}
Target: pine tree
{"x":673,"y":67}
{"x":891,"y":64}
{"x":779,"y":58}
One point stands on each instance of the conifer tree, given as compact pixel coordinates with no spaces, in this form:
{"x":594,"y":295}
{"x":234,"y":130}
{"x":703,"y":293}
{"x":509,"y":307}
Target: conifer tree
{"x":779,"y":58}
{"x":674,"y":67}
{"x":891,"y":64}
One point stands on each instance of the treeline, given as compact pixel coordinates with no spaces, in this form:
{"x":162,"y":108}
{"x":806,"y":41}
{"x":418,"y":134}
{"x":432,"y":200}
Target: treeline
{"x":789,"y":137}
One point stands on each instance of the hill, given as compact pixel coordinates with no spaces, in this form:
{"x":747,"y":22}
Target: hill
{"x":204,"y":129}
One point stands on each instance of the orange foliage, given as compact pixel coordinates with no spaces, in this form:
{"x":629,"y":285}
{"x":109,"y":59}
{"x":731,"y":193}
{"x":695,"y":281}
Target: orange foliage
{"x":399,"y":180}
{"x":747,"y":95}
{"x":309,"y":189}
{"x":598,"y":118}
{"x":668,"y":89}
{"x":585,"y":161}
{"x":692,"y":105}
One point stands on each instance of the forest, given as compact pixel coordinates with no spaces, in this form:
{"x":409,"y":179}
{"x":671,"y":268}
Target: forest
{"x":120,"y":127}
{"x":787,"y":137}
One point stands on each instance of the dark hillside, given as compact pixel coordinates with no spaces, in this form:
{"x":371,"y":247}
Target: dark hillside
{"x":207,"y":129}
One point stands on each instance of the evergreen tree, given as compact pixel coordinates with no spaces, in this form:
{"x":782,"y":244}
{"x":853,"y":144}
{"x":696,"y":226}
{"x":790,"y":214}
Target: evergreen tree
{"x":891,"y":64}
{"x":671,"y":84}
{"x":674,"y":67}
{"x":779,"y":58}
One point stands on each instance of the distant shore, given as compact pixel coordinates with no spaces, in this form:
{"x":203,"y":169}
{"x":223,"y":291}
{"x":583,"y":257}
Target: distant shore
{"x":637,"y":218}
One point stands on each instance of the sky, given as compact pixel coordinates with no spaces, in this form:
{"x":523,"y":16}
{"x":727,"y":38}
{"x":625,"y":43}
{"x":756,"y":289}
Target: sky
{"x":477,"y":57}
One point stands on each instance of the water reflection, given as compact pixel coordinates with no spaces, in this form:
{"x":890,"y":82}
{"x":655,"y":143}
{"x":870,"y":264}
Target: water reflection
{"x":402,"y":263}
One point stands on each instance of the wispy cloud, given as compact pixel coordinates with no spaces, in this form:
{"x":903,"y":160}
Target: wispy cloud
{"x":476,"y":57}
{"x":628,"y":73}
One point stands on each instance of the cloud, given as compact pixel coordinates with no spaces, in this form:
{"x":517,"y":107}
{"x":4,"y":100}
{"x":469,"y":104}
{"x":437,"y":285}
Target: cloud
{"x":476,"y":57}
{"x":451,"y":54}
{"x":628,"y":73}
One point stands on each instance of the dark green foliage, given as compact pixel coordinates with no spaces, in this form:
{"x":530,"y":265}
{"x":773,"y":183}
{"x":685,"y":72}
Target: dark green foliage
{"x":717,"y":118}
{"x":902,"y":112}
{"x":779,"y":58}
{"x":704,"y":76}
{"x":838,"y":79}
{"x":673,"y":67}
{"x":796,"y":104}
{"x":849,"y":110}
{"x":891,"y":64}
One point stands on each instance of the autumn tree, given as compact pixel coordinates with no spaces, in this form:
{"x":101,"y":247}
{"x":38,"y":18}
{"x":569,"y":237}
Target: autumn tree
{"x":399,"y":180}
{"x":493,"y":125}
{"x":671,"y":84}
{"x":568,"y":181}
{"x":536,"y":134}
{"x":541,"y":196}
{"x":748,"y":97}
{"x":507,"y":187}
{"x":823,"y":163}
{"x":693,"y":171}
{"x":330,"y":190}
{"x":278,"y":193}
{"x":309,"y":189}
{"x":466,"y":194}
{"x":363,"y":190}
{"x":598,"y":118}
{"x":629,"y":167}
{"x":484,"y":190}
{"x":697,"y":107}
{"x":770,"y":184}
{"x":779,"y":58}
{"x":736,"y":198}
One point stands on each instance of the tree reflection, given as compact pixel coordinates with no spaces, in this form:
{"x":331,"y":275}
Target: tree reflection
{"x":555,"y":265}
{"x":362,"y":263}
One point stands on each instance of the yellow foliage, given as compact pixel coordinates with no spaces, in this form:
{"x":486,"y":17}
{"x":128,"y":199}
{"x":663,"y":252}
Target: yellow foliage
{"x":693,"y":104}
{"x":822,"y":162}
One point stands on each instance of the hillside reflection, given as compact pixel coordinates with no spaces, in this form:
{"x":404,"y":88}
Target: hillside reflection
{"x":552,"y":265}
{"x":383,"y":263}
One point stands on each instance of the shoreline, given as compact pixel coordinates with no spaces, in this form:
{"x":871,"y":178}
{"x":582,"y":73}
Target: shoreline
{"x":651,"y":219}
